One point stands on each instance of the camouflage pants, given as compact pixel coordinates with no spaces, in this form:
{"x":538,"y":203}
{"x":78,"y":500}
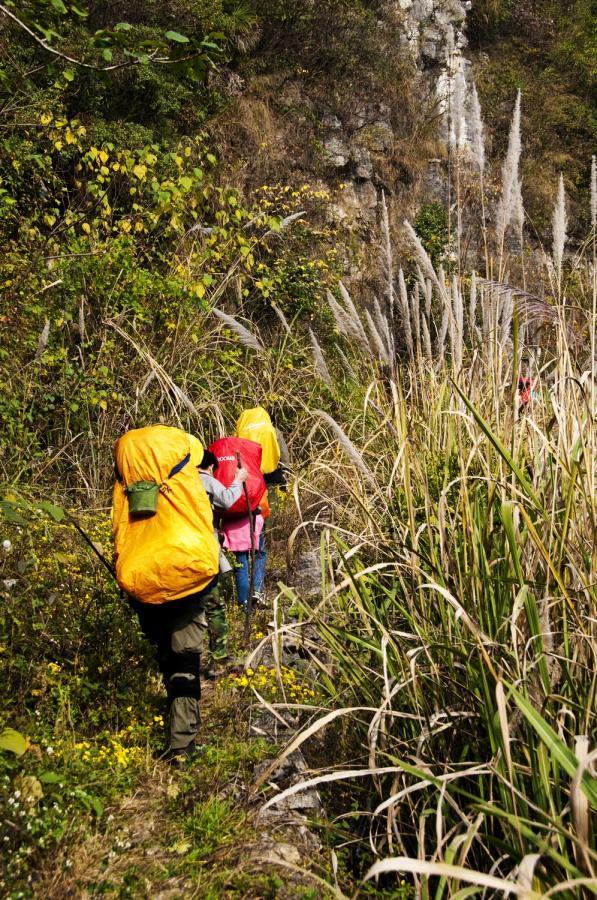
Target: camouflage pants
{"x":177,"y":629}
{"x":217,"y":624}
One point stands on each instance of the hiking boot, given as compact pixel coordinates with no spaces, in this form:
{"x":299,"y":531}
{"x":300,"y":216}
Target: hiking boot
{"x":258,"y":600}
{"x":178,"y":757}
{"x":221,"y":666}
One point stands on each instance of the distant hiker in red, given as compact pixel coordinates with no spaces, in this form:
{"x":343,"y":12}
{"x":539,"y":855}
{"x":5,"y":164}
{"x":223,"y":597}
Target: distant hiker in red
{"x":525,"y":391}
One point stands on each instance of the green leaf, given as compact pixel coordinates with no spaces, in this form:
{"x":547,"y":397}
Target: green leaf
{"x":49,"y":778}
{"x":503,"y":452}
{"x":10,"y":513}
{"x":96,"y":805}
{"x":555,"y":745}
{"x":59,"y":6}
{"x":177,"y":37}
{"x":69,"y":74}
{"x":123,"y":26}
{"x":107,"y":54}
{"x":55,"y":512}
{"x":13,"y":741}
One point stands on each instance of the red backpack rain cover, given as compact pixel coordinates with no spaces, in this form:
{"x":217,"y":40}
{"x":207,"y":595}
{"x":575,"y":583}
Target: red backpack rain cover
{"x":226,"y":451}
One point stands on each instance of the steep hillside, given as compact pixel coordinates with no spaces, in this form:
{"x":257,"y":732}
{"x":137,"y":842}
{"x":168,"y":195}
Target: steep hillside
{"x":202,"y":207}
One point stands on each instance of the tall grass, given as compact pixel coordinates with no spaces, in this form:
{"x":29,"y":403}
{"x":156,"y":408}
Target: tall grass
{"x":459,"y":598}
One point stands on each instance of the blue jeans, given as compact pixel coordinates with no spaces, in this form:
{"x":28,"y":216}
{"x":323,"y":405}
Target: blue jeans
{"x":241,"y":573}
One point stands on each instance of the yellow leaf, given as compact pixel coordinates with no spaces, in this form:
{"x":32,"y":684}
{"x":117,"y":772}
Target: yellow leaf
{"x":199,"y":290}
{"x":45,"y":119}
{"x":125,"y":226}
{"x":103,"y":156}
{"x":140,"y":171}
{"x":178,"y":161}
{"x":139,"y":226}
{"x":58,"y":145}
{"x":70,"y":138}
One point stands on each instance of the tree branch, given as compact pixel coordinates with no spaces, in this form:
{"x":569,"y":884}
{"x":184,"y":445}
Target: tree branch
{"x":162,"y":60}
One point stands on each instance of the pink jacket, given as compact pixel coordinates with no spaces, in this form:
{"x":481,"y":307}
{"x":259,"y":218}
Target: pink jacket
{"x":237,"y":533}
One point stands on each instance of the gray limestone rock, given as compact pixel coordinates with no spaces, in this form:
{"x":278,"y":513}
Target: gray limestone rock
{"x":337,"y":152}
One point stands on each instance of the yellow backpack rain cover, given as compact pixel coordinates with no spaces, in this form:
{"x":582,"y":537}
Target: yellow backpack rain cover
{"x":173,"y":553}
{"x":256,"y":425}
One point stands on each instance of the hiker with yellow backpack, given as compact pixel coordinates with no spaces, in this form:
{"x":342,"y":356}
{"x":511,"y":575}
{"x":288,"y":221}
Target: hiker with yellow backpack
{"x":246,"y":538}
{"x":167,"y":561}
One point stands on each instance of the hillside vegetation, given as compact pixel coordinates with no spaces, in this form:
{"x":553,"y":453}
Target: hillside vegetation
{"x":172,"y":253}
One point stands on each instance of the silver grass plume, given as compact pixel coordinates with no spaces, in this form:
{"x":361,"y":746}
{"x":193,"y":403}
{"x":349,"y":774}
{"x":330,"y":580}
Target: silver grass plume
{"x":377,"y":339}
{"x":354,"y":316}
{"x":347,"y":445}
{"x":405,"y":310}
{"x":148,"y":382}
{"x":284,"y":223}
{"x":281,"y":317}
{"x":416,"y":316}
{"x":43,"y":340}
{"x":472,"y":305}
{"x":441,"y":334}
{"x":346,"y":362}
{"x":424,"y":261}
{"x":343,"y":321}
{"x":477,"y":131}
{"x":457,"y":329}
{"x":593,"y":192}
{"x":427,"y":288}
{"x":510,"y":200}
{"x":507,"y":312}
{"x":388,"y":263}
{"x":321,"y":369}
{"x":426,"y":338}
{"x":559,"y":225}
{"x":383,"y":326}
{"x":242,"y":333}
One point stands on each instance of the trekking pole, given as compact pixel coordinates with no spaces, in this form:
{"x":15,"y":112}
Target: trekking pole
{"x":88,"y":541}
{"x":251,"y":557}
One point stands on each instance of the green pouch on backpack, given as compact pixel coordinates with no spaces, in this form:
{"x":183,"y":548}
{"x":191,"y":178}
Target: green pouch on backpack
{"x":143,"y":499}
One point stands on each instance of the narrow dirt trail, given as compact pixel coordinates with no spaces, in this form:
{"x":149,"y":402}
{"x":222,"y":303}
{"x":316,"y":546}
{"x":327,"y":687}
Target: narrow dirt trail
{"x":197,"y":831}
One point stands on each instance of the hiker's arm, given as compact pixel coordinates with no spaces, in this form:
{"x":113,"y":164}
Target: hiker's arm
{"x":224,"y":498}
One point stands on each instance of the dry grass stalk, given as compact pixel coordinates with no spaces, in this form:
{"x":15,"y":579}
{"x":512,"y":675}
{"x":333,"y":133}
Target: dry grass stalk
{"x":593,"y":192}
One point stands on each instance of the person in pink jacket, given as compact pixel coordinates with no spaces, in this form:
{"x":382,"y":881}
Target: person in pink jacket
{"x":237,"y":539}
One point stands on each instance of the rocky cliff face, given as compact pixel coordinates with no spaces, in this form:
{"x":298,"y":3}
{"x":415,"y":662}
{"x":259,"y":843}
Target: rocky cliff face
{"x":361,"y":148}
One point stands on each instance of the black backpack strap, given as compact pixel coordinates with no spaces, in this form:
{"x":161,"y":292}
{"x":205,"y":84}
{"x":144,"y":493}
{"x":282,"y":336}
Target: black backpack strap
{"x":179,"y":466}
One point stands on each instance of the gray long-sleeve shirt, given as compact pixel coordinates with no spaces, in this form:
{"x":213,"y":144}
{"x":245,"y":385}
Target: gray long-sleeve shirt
{"x":219,"y":496}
